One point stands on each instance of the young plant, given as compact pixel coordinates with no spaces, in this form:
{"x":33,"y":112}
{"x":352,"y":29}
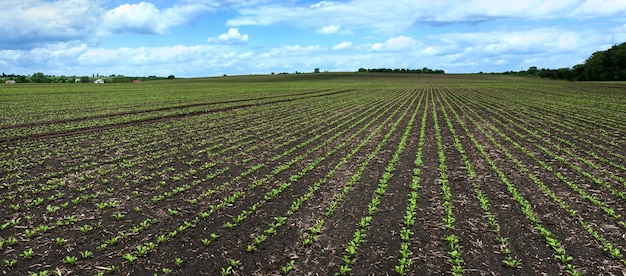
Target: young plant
{"x":178,"y":261}
{"x":206,"y":241}
{"x":234,"y":262}
{"x":130,"y":257}
{"x":172,"y":212}
{"x":86,"y":228}
{"x":29,"y":233}
{"x":28,"y":254}
{"x":142,"y":250}
{"x":161,"y":238}
{"x":118,"y":216}
{"x":59,"y":240}
{"x":10,"y":263}
{"x":10,"y":241}
{"x":511,"y":262}
{"x":226,"y":271}
{"x":85,"y":254}
{"x":112,"y":241}
{"x":70,"y":260}
{"x":287,"y":268}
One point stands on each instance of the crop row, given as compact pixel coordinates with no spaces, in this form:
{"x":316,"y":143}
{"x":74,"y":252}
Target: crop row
{"x":399,"y":177}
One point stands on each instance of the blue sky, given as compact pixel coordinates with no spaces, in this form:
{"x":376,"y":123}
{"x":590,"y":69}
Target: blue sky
{"x":214,"y":37}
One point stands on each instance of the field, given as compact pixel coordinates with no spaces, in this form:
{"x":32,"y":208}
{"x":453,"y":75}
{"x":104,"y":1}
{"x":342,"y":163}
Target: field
{"x":314,"y":174}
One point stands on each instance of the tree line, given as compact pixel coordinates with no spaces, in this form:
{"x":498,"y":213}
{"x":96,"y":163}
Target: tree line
{"x":40,"y":77}
{"x":424,"y":70}
{"x":608,"y":65}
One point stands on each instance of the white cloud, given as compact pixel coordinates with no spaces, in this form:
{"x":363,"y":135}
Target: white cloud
{"x":145,"y":17}
{"x":232,"y":36}
{"x":24,"y":24}
{"x":27,"y":24}
{"x":595,"y":8}
{"x":393,"y":17}
{"x":142,"y":17}
{"x":332,"y":29}
{"x":60,"y":36}
{"x":400,"y":43}
{"x":323,"y":4}
{"x":380,"y":16}
{"x":342,"y":46}
{"x":291,"y":51}
{"x":504,"y":49}
{"x":492,"y":51}
{"x":506,"y":41}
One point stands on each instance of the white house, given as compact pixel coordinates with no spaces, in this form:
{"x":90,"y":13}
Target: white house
{"x":10,"y":82}
{"x":99,"y":81}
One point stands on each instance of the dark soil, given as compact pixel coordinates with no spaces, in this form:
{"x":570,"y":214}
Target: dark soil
{"x":151,"y":172}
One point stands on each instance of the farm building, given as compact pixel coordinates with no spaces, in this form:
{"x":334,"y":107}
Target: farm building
{"x":9,"y":82}
{"x":137,"y":81}
{"x":99,"y":81}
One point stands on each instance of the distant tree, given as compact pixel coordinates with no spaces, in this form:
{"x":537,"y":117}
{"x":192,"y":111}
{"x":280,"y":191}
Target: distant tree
{"x":564,"y":74}
{"x":21,"y":79}
{"x":84,"y":79}
{"x":39,"y":77}
{"x":171,"y":77}
{"x":316,"y":70}
{"x":532,"y":70}
{"x":120,"y":79}
{"x":425,"y":70}
{"x":609,"y":65}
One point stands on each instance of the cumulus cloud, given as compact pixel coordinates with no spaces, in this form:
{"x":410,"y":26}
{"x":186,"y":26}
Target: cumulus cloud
{"x":396,"y":16}
{"x":332,"y":29}
{"x":505,"y":41}
{"x":505,"y":49}
{"x":29,"y":23}
{"x":342,"y":46}
{"x":145,"y":17}
{"x":60,"y":36}
{"x":399,"y":43}
{"x":142,"y":17}
{"x":323,"y":4}
{"x":595,"y":8}
{"x":376,"y":15}
{"x":231,"y":37}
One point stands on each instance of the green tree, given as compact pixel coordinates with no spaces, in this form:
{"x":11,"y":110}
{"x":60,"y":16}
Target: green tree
{"x":39,"y":77}
{"x":21,"y":79}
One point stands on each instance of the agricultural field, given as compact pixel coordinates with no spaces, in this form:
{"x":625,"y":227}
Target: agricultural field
{"x":314,"y":174}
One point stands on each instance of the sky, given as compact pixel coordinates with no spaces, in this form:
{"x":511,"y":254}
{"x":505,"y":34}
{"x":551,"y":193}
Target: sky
{"x":197,"y":38}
